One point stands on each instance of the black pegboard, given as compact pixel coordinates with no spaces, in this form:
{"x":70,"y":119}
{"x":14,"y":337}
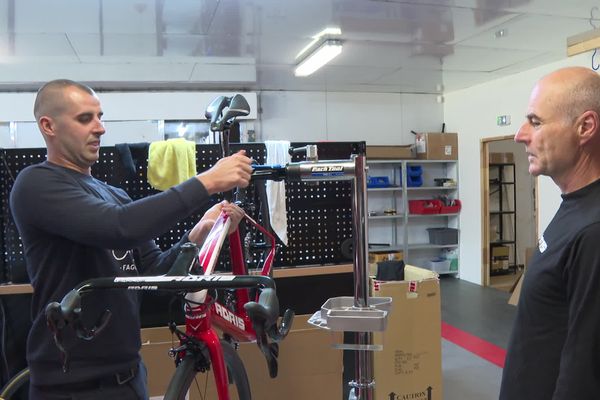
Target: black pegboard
{"x":319,"y":214}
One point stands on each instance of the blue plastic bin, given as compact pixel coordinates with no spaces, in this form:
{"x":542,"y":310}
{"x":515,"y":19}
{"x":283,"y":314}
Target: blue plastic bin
{"x":378,"y":182}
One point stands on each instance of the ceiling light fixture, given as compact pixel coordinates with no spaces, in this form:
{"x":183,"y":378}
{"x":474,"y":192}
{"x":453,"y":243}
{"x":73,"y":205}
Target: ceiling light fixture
{"x":583,"y":42}
{"x":331,"y":31}
{"x":326,"y":52}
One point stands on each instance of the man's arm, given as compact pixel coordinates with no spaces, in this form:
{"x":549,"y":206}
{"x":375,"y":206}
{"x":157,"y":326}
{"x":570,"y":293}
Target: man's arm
{"x":53,"y":201}
{"x":56,"y":203}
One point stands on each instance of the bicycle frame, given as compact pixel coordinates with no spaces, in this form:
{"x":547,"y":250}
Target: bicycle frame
{"x":201,"y":318}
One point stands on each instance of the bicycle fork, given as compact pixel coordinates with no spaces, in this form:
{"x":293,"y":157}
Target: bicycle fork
{"x":199,"y":328}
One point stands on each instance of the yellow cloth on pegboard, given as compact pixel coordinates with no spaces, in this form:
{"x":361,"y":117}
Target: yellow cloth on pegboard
{"x":171,"y":162}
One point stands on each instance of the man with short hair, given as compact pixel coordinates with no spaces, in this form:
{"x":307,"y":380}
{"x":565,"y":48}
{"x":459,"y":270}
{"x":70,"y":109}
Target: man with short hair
{"x":554,"y":347}
{"x":75,"y":227}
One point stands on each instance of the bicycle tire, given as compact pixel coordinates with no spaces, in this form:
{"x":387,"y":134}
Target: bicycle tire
{"x":15,"y":384}
{"x":186,"y":372}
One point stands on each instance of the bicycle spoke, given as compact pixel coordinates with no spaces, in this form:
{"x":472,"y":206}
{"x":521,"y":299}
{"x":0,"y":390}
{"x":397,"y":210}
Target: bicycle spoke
{"x":202,"y":393}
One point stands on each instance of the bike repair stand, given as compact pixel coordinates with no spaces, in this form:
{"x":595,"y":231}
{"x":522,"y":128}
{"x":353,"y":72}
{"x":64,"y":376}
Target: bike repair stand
{"x":361,"y":315}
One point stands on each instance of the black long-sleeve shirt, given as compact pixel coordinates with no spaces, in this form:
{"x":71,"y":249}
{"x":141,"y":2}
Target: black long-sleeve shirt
{"x":554,"y":349}
{"x":75,"y":227}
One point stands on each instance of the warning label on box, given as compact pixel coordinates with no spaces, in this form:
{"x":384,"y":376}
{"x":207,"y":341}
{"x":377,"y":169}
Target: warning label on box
{"x":408,"y":363}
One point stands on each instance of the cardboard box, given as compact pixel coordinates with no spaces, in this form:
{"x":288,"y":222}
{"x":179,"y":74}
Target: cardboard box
{"x":307,"y":363}
{"x":514,"y":297}
{"x":437,"y":146}
{"x":376,"y":256}
{"x":410,"y":364}
{"x":516,"y":293}
{"x":391,"y":152}
{"x":499,"y":257}
{"x":502,"y":158}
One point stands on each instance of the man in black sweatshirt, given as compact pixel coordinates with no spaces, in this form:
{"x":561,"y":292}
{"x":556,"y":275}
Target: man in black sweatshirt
{"x":553,"y":353}
{"x":75,"y":227}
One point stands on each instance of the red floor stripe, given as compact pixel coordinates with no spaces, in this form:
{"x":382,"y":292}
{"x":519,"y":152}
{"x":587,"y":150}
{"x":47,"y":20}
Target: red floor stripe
{"x":475,"y":345}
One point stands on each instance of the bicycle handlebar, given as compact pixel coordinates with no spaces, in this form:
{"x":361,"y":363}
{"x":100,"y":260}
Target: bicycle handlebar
{"x":68,"y":311}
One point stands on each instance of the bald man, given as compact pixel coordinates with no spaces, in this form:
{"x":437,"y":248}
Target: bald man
{"x":554,"y":349}
{"x":75,"y":227}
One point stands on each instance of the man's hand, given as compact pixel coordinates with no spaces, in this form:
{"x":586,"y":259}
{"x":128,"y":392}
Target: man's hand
{"x":228,"y":173}
{"x":236,"y":214}
{"x":200,"y":231}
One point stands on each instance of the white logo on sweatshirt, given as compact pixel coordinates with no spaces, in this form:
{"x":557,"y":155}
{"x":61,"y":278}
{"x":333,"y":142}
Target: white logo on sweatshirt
{"x":542,"y":244}
{"x":126,"y":259}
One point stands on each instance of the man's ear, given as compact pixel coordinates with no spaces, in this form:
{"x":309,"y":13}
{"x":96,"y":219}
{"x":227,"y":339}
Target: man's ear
{"x":46,"y":126}
{"x":589,"y":126}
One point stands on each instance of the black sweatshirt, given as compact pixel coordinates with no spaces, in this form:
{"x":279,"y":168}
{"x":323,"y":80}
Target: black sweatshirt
{"x":554,"y":349}
{"x":75,"y":227}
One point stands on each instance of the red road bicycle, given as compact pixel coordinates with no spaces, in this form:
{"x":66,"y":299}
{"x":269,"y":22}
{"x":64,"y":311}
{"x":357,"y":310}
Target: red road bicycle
{"x":238,"y":318}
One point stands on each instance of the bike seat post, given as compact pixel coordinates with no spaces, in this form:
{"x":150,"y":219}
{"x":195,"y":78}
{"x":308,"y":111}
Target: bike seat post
{"x":224,"y":142}
{"x":224,"y":153}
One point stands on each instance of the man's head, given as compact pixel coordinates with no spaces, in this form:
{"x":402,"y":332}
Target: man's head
{"x":69,"y":116}
{"x":562,"y":131}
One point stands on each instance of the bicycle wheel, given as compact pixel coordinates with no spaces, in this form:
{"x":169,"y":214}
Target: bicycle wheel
{"x":12,"y":389}
{"x":185,"y":377}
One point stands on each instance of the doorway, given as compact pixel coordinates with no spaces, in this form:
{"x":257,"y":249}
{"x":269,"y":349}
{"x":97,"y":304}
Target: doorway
{"x":509,"y":211}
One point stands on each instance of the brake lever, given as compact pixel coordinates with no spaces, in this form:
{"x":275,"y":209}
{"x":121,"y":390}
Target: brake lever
{"x":56,"y":322}
{"x":89,"y":334}
{"x":59,"y":315}
{"x":278,"y":333}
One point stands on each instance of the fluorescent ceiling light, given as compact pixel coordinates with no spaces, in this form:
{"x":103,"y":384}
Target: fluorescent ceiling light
{"x":331,"y":31}
{"x":583,"y":42}
{"x":321,"y":56}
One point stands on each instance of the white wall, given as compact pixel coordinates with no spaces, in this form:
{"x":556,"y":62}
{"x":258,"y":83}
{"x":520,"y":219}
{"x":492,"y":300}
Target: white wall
{"x":472,"y":113}
{"x":378,"y":118}
{"x":121,"y":106}
{"x":119,"y":109}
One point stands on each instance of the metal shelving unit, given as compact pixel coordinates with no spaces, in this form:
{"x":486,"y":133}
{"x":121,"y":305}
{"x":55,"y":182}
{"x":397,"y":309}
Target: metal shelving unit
{"x":404,"y":231}
{"x":503,"y":186}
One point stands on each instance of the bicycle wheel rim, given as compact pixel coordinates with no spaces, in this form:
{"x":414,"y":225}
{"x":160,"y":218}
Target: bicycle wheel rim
{"x":187,"y":378}
{"x":15,"y":384}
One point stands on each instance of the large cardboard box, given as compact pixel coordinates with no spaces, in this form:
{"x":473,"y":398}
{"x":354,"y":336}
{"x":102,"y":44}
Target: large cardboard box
{"x":502,"y":158}
{"x":377,"y":256}
{"x":391,"y":152}
{"x":437,"y":146}
{"x":410,"y":364}
{"x":499,"y":257}
{"x":307,"y":365}
{"x":514,"y":297}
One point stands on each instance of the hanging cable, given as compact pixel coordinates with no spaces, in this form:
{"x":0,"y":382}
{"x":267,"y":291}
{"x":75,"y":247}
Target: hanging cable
{"x":592,"y":18}
{"x":594,"y":65}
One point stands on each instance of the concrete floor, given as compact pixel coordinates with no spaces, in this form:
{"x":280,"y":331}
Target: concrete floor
{"x":485,"y":313}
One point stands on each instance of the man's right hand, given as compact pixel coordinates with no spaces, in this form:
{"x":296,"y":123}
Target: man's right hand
{"x":228,"y":173}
